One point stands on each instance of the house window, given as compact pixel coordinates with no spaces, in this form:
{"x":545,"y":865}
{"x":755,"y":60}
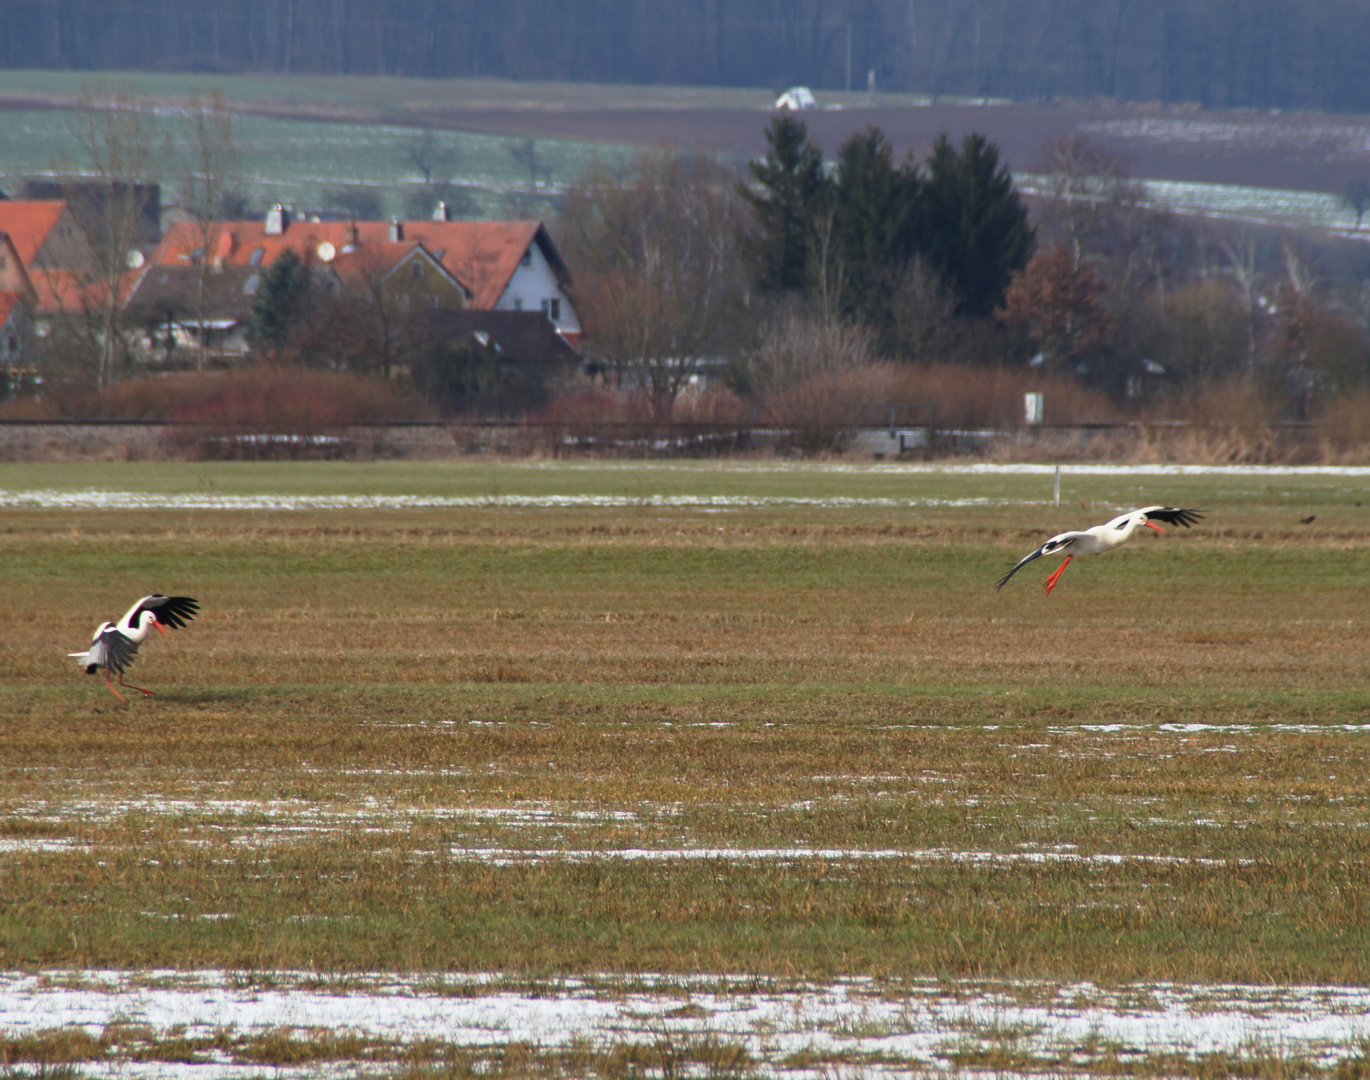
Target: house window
{"x":518,"y":303}
{"x":552,"y":309}
{"x":432,"y":300}
{"x":250,"y":285}
{"x":418,"y":269}
{"x":404,"y":301}
{"x":256,"y":258}
{"x":527,"y":259}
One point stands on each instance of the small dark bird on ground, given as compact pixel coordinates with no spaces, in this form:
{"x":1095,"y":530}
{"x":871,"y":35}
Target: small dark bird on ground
{"x":1309,"y":519}
{"x":115,"y":644}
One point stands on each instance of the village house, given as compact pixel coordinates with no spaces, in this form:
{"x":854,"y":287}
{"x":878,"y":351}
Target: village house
{"x":46,"y":235}
{"x":513,"y":360}
{"x":186,"y":306}
{"x":55,"y":253}
{"x":500,"y":266}
{"x":17,"y":303}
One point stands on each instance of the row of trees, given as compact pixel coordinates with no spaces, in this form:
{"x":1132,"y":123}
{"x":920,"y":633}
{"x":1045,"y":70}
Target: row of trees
{"x":799,"y":272}
{"x":678,"y":263}
{"x":809,"y":270}
{"x":1312,"y":54}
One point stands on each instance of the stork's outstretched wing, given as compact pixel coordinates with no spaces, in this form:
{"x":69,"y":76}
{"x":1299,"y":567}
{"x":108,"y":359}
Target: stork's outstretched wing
{"x":1056,"y":543}
{"x":1173,"y":515}
{"x":173,"y":611}
{"x":110,"y":650}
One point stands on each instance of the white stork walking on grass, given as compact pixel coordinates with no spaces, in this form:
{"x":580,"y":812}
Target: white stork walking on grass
{"x":1103,"y":537}
{"x":116,"y":644}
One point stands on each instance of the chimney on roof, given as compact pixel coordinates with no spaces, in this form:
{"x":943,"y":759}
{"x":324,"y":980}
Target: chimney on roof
{"x":277,"y":220}
{"x":442,"y":212}
{"x":223,"y":248}
{"x":354,"y":238}
{"x":396,"y":231}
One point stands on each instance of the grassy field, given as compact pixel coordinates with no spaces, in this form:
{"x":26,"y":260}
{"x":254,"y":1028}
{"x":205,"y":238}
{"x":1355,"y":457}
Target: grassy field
{"x":801,"y":738}
{"x":300,"y":161}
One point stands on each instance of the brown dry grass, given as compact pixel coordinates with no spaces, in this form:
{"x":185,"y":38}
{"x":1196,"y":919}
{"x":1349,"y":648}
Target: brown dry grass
{"x":369,"y":696}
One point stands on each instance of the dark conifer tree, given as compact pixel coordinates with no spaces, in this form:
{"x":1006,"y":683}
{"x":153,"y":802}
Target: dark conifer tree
{"x":975,"y":226}
{"x":280,"y":303}
{"x":792,"y":185}
{"x":875,"y":221}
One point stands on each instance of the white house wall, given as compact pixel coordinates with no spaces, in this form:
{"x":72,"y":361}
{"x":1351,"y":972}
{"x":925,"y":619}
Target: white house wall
{"x":532,"y":285}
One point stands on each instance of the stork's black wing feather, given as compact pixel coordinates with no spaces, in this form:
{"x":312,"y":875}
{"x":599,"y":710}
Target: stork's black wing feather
{"x":111,"y":650}
{"x":1056,"y":543}
{"x":1022,"y":563}
{"x":173,"y":611}
{"x":1173,"y":515}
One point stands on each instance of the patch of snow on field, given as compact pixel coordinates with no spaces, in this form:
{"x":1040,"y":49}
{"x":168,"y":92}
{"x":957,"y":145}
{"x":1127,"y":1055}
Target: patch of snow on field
{"x":137,"y":500}
{"x":514,"y":856}
{"x":1195,"y":728}
{"x":910,"y":1023}
{"x":99,"y":499}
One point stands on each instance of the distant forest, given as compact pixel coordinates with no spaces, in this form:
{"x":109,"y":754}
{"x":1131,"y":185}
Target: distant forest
{"x":1307,"y":54}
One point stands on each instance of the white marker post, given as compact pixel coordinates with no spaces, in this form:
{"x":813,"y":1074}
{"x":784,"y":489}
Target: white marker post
{"x":1058,"y":487}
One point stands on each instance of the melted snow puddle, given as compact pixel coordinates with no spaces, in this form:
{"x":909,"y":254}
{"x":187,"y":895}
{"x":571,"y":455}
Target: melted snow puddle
{"x":1202,"y":729}
{"x":139,"y":500}
{"x":515,"y":856}
{"x":300,"y":814}
{"x":861,"y":1021}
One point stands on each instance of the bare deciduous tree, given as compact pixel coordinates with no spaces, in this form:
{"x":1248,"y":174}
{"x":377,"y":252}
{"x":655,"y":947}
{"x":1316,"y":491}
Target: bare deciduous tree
{"x":826,"y":266}
{"x":1087,"y":187}
{"x":209,"y":179}
{"x":117,"y":135}
{"x":923,"y":315}
{"x":432,"y":158}
{"x":658,"y":268}
{"x":801,"y":374}
{"x":1356,"y":195}
{"x":1241,"y":253}
{"x":525,"y":153}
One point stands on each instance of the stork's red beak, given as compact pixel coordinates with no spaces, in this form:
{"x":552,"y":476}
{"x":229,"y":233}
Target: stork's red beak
{"x":1150,"y":525}
{"x":160,"y":627}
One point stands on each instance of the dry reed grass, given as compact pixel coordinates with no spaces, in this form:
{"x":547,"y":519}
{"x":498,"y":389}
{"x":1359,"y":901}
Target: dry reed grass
{"x":266,"y":397}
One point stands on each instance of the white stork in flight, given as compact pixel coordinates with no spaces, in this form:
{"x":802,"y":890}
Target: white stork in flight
{"x":1103,"y":537}
{"x":115,"y":644}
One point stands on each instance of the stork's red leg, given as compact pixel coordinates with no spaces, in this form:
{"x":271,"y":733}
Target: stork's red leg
{"x":1051,"y":581}
{"x":116,"y":692}
{"x":130,"y":686}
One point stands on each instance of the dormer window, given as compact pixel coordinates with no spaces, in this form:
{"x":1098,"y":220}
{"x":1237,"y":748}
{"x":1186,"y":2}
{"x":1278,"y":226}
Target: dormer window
{"x":257,"y":255}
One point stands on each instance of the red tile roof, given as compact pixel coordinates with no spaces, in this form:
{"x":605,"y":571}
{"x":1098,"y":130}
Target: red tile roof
{"x":29,"y":224}
{"x":8,"y":302}
{"x":64,"y":291}
{"x":482,"y":255}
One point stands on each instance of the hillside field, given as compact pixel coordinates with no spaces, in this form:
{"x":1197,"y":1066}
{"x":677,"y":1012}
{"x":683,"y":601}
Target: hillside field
{"x":731,"y":769}
{"x":302,"y":136}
